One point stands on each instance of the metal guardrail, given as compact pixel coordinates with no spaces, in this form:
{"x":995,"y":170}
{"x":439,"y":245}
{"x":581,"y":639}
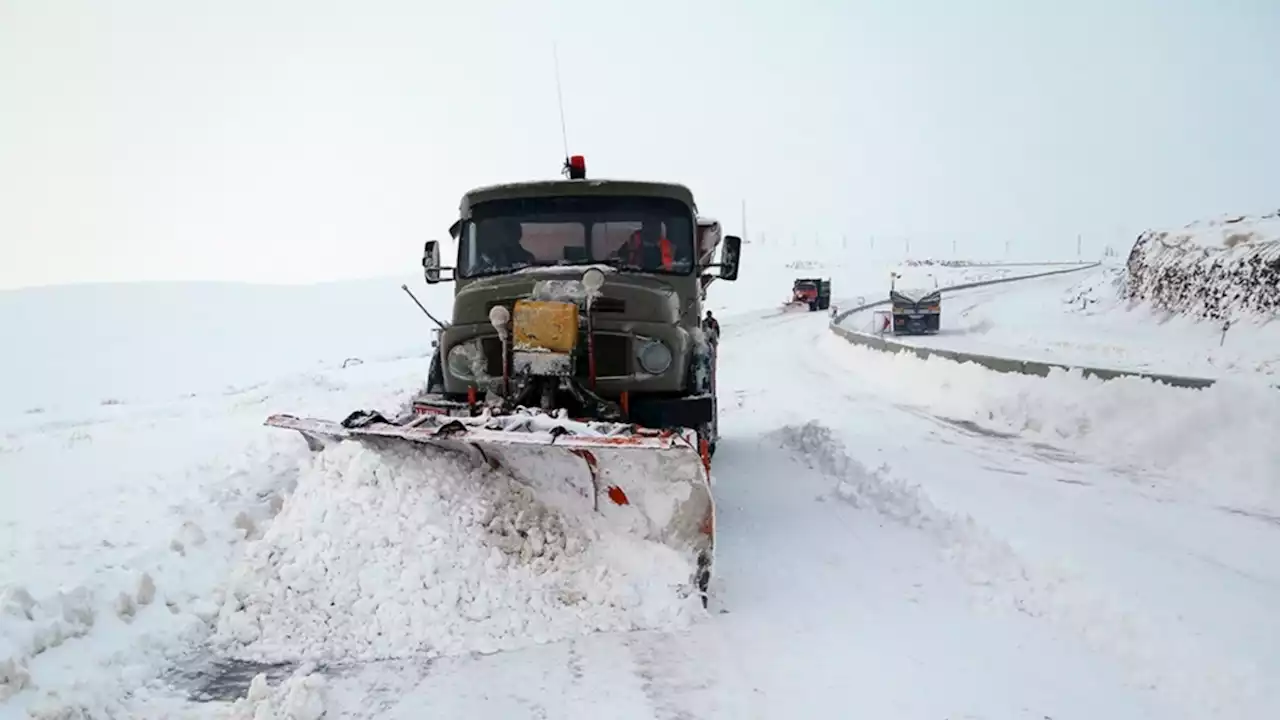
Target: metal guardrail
{"x":992,"y":362}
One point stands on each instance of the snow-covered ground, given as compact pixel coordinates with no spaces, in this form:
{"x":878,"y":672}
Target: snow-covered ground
{"x":1082,"y":319}
{"x":896,"y":538}
{"x":88,"y":345}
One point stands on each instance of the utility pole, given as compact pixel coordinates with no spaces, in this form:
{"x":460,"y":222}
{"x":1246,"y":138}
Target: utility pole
{"x":745,"y":238}
{"x":1078,"y":246}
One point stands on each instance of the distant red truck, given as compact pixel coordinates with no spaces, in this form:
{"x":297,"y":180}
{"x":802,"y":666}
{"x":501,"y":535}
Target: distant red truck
{"x":814,"y":292}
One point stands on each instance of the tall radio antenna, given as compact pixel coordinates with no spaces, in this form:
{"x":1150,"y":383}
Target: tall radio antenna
{"x":575,"y":166}
{"x":564,"y":135}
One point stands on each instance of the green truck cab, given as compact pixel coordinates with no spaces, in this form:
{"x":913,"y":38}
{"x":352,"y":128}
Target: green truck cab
{"x":585,"y":295}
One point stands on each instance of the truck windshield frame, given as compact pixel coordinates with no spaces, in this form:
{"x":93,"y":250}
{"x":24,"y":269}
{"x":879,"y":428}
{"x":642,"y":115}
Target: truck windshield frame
{"x":566,"y":231}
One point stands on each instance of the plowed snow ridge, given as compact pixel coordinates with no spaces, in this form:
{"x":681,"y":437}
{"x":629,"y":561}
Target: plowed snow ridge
{"x":408,"y":553}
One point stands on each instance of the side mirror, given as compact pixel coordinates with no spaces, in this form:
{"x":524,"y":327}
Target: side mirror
{"x":431,"y":262}
{"x":729,"y":257}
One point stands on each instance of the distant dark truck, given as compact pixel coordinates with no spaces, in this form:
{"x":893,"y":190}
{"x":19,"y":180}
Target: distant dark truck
{"x":916,"y":312}
{"x":814,"y":292}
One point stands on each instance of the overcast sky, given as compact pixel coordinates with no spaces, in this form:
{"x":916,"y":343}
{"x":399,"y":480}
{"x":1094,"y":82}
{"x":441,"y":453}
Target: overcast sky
{"x":300,"y":141}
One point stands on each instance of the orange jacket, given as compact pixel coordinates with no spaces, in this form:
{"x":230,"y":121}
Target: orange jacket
{"x":664,"y":245}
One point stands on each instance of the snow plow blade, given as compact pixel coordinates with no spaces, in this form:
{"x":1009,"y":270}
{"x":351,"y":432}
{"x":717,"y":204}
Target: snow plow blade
{"x":651,"y":483}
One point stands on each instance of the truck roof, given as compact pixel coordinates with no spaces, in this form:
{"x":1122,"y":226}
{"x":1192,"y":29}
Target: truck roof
{"x":560,"y":188}
{"x":916,"y":294}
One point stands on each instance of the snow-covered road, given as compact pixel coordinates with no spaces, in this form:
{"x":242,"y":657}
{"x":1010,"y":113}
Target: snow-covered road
{"x":838,"y":589}
{"x":877,"y":556}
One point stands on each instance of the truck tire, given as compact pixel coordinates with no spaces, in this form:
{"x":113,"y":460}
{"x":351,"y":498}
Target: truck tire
{"x":435,"y":375}
{"x":706,"y":432}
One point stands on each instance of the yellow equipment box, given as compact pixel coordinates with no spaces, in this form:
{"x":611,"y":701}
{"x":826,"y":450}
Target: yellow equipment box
{"x":545,"y":325}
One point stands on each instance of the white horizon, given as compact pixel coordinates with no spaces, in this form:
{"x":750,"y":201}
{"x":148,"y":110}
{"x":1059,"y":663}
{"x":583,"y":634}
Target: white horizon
{"x":294,"y":143}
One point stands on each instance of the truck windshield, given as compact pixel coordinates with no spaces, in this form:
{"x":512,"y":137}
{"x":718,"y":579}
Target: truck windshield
{"x":642,"y":234}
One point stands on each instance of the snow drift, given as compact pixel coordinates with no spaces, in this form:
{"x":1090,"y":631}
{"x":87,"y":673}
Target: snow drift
{"x":1215,"y":443}
{"x":1210,"y":269}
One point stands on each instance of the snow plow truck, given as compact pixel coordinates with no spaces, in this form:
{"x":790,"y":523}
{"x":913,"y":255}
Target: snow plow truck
{"x":813,"y":293}
{"x":574,"y":359}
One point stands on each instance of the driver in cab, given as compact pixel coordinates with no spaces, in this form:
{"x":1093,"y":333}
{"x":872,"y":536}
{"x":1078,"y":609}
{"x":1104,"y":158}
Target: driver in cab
{"x":648,"y":248}
{"x":499,"y":246}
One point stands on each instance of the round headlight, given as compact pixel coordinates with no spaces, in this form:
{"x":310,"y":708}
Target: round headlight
{"x":593,"y":280}
{"x":499,"y":315}
{"x":461,"y":360}
{"x":654,"y":357}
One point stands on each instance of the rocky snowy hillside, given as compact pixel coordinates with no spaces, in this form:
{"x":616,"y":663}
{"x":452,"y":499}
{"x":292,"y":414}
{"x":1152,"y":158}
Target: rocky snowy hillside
{"x":1216,"y":269}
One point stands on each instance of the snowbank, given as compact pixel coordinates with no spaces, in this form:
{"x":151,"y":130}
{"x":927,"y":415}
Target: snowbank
{"x":1216,"y":443}
{"x":101,"y":594}
{"x":121,"y":524}
{"x":1083,"y":318}
{"x":1212,"y":269}
{"x":406,"y":553}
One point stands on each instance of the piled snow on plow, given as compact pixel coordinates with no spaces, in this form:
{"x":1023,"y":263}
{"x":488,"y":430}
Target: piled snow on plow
{"x":393,"y":553}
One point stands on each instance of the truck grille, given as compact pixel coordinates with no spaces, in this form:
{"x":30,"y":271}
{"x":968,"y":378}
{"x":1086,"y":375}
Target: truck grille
{"x":492,"y":347}
{"x":508,"y":303}
{"x":613,"y":356}
{"x":608,"y":305}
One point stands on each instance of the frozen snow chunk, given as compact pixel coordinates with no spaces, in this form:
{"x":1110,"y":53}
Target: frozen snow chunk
{"x":275,"y":503}
{"x":77,"y":609}
{"x":13,"y":677}
{"x":125,"y":607}
{"x":245,"y":524}
{"x":304,"y":698}
{"x":190,"y":534}
{"x":299,"y":697}
{"x":16,"y":601}
{"x":146,"y":589}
